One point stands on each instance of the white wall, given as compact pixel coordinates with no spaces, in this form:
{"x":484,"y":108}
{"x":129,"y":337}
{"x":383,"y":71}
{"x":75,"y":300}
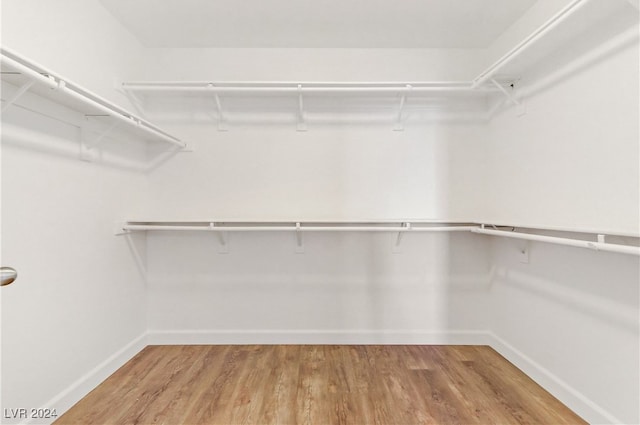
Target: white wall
{"x":573,"y":312}
{"x":572,"y":160}
{"x":293,"y":64}
{"x":346,"y":287}
{"x":77,"y":300}
{"x":327,"y":173}
{"x":349,"y":288}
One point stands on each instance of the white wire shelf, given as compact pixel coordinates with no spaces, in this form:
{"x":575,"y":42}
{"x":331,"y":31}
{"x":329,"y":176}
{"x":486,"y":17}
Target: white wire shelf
{"x":21,"y":76}
{"x":579,"y":35}
{"x":221,"y":226}
{"x":578,"y":27}
{"x":581,"y":24}
{"x":568,"y":237}
{"x":303,"y":103}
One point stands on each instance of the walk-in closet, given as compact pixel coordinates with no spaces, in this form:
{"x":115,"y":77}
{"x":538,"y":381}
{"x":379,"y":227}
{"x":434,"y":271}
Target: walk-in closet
{"x":320,"y":212}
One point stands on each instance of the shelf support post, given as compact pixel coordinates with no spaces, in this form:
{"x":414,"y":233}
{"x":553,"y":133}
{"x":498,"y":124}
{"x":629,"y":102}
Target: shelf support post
{"x":222,"y":122}
{"x":101,"y":137}
{"x":405,"y":228}
{"x":222,"y":237}
{"x":302,"y":126}
{"x":22,"y":90}
{"x":137,"y":102}
{"x":399,"y":126}
{"x":88,"y":148}
{"x":299,"y":245}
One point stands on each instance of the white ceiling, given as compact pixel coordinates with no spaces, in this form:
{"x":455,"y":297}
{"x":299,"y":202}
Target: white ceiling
{"x":317,"y":23}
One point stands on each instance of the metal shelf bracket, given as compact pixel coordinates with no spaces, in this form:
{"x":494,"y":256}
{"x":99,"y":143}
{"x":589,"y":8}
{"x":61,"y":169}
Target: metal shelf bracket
{"x":223,"y":237}
{"x":136,"y":102}
{"x":399,"y":125}
{"x":302,"y":125}
{"x":406,"y":227}
{"x":22,"y":90}
{"x":520,"y":109}
{"x":299,"y":245}
{"x":222,"y":122}
{"x":89,"y":148}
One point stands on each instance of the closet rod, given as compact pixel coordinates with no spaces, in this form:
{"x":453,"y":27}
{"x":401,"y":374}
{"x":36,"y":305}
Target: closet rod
{"x":304,"y":83}
{"x":539,"y":33}
{"x":296,"y":90}
{"x":598,"y":246}
{"x":135,"y":227}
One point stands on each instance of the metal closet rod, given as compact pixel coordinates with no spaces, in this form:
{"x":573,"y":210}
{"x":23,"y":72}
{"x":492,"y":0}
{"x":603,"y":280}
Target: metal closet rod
{"x":525,"y":44}
{"x":599,"y":245}
{"x":297,"y":88}
{"x":39,"y":75}
{"x":297,"y":227}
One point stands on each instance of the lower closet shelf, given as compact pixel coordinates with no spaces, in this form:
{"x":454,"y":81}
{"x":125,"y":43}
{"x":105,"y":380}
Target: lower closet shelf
{"x":630,"y":244}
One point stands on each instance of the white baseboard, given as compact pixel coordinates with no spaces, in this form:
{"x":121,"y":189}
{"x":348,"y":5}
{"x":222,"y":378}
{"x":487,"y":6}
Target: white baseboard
{"x":311,"y":336}
{"x":64,"y":400}
{"x":574,"y":399}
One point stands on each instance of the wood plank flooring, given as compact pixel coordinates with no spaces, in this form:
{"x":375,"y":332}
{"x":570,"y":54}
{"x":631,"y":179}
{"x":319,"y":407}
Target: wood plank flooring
{"x":319,"y":384}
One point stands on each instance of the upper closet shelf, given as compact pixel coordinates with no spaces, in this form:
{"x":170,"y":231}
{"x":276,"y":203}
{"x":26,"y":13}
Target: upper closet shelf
{"x":307,"y":102}
{"x":582,"y":30}
{"x":20,"y":76}
{"x":579,"y":34}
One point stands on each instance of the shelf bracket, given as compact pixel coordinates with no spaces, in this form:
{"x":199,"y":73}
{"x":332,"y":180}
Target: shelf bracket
{"x":136,"y":102}
{"x":88,"y":148}
{"x":510,"y":97}
{"x":224,"y":240}
{"x":399,"y":125}
{"x":101,"y":137}
{"x":22,"y":90}
{"x":119,"y":228}
{"x":405,"y":228}
{"x":222,"y":122}
{"x":299,"y":245}
{"x":302,"y":126}
{"x":599,"y":239}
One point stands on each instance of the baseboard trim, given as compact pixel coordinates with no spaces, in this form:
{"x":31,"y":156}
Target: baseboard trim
{"x":574,"y":399}
{"x":307,"y":336}
{"x":64,"y":400}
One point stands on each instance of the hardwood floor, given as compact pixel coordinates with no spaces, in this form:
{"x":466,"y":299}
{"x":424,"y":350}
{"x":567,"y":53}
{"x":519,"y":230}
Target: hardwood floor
{"x":307,"y":384}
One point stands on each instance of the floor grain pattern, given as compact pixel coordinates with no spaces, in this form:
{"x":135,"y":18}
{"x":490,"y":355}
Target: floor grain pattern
{"x":318,"y":385}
